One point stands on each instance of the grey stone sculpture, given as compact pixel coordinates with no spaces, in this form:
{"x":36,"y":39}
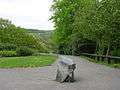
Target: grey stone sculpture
{"x":65,"y":70}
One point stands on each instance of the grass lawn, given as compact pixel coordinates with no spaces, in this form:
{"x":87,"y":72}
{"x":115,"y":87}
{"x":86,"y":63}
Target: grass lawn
{"x":29,"y":61}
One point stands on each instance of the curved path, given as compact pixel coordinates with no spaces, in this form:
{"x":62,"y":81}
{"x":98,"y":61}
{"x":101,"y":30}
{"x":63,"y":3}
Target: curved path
{"x":88,"y":75}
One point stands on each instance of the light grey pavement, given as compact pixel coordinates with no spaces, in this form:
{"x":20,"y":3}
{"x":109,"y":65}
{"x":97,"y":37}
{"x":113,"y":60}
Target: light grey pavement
{"x":88,"y":75}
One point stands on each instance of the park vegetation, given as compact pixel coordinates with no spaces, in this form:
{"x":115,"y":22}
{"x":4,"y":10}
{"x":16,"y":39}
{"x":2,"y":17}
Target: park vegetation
{"x":19,"y":48}
{"x":89,"y":26}
{"x":16,"y":41}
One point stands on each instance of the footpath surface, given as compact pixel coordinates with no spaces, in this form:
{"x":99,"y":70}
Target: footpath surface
{"x":88,"y":76}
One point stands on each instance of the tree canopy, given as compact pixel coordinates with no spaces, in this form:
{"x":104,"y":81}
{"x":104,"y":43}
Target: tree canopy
{"x":91,"y":26}
{"x":10,"y":34}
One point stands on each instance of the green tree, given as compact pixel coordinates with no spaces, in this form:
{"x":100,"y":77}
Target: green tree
{"x":105,"y":26}
{"x":80,"y":22}
{"x":10,"y":34}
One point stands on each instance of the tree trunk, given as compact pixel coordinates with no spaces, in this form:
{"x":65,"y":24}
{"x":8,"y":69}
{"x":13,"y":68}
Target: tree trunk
{"x":108,"y":50}
{"x":100,"y":48}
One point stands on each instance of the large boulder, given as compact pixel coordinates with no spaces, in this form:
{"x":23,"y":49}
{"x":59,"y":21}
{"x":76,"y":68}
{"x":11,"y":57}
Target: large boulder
{"x":65,"y":70}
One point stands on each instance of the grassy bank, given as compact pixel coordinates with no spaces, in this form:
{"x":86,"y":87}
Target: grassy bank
{"x":102,"y":63}
{"x":29,"y":61}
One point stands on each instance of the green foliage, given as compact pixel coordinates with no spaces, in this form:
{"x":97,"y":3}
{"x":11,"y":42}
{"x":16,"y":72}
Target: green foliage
{"x":5,"y":46}
{"x":46,"y":44}
{"x":116,"y":65}
{"x":116,"y":52}
{"x":8,"y":53}
{"x":78,"y":22}
{"x":24,"y":51}
{"x":105,"y":25}
{"x":68,"y":35}
{"x":11,"y":35}
{"x":113,"y":65}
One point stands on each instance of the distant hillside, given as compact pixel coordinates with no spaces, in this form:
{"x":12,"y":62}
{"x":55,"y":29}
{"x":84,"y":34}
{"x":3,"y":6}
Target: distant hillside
{"x":44,"y":34}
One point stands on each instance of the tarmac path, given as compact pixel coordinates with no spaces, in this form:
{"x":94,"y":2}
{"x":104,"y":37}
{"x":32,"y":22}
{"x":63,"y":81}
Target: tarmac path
{"x":88,"y":76}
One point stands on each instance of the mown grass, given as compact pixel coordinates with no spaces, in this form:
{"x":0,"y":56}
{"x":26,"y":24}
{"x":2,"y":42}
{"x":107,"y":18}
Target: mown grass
{"x":29,"y":61}
{"x":102,"y":63}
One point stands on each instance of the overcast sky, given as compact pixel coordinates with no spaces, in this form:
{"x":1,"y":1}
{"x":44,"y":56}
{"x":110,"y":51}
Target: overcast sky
{"x":33,"y":14}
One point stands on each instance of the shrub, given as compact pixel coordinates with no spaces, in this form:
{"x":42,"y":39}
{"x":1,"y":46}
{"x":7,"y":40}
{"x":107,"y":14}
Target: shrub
{"x":7,"y":47}
{"x":8,"y":53}
{"x":24,"y":51}
{"x":116,"y":52}
{"x":116,"y":65}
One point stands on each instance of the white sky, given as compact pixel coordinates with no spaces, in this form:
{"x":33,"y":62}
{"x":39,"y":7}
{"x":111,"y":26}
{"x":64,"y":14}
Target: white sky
{"x":33,"y":14}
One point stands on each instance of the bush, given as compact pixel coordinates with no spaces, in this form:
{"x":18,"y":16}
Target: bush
{"x":24,"y":51}
{"x":7,"y":47}
{"x":116,"y":65}
{"x":116,"y":52}
{"x":8,"y":53}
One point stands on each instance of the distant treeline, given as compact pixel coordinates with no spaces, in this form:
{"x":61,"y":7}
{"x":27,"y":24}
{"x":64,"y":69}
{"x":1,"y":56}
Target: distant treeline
{"x":90,"y":26}
{"x":45,"y":34}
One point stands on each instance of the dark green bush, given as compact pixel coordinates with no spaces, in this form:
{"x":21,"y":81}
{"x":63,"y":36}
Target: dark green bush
{"x":8,"y":47}
{"x":8,"y":53}
{"x":24,"y":51}
{"x":116,"y":52}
